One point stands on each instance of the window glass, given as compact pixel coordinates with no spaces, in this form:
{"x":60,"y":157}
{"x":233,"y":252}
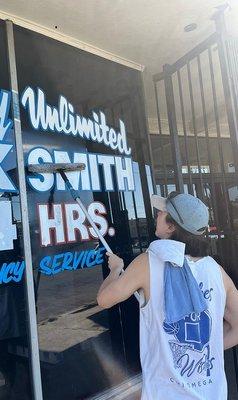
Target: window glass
{"x":84,"y":350}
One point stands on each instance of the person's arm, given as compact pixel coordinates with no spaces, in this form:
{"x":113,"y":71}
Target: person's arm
{"x":116,"y":287}
{"x":231,"y":312}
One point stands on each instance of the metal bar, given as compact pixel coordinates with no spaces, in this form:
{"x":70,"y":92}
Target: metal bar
{"x":137,"y":222}
{"x":148,"y":134}
{"x":217,"y":121}
{"x":113,"y":112}
{"x":31,"y":306}
{"x":190,"y":182}
{"x":119,"y":200}
{"x":161,"y":140}
{"x":110,"y":206}
{"x":123,"y":200}
{"x":232,"y":64}
{"x":229,"y":101}
{"x":188,"y":56}
{"x":213,"y":198}
{"x":152,"y":162}
{"x":171,"y":112}
{"x":195,"y":127}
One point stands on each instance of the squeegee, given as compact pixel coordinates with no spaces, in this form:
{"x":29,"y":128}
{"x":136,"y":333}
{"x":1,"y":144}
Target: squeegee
{"x":62,"y":168}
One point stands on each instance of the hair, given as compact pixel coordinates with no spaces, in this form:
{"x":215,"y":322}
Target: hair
{"x":195,"y":246}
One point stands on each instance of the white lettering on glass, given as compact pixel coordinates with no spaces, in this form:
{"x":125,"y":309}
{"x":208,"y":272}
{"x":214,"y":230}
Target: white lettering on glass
{"x":64,"y":120}
{"x":8,"y":231}
{"x":88,"y":179}
{"x":66,"y":223}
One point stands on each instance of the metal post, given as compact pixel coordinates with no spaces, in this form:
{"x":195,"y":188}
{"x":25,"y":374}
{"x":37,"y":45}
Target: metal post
{"x":161,"y":145}
{"x":218,"y":128}
{"x":31,"y":306}
{"x":171,"y":112}
{"x":194,"y":125}
{"x":205,"y":123}
{"x":219,"y":19}
{"x":185,"y":133}
{"x":145,"y":111}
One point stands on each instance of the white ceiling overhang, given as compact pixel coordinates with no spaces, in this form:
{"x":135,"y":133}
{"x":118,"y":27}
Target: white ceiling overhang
{"x":136,"y":33}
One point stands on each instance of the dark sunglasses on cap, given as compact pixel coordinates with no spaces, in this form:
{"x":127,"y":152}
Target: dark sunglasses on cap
{"x":169,"y":199}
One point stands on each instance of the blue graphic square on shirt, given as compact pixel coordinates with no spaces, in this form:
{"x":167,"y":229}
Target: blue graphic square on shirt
{"x":192,"y":332}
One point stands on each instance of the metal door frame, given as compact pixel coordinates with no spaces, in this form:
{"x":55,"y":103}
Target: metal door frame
{"x":30,"y":293}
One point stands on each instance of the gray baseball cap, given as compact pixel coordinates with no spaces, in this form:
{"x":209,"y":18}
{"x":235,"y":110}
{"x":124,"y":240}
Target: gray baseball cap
{"x":188,"y":211}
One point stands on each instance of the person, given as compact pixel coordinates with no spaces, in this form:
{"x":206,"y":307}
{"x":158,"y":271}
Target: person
{"x":190,"y":312}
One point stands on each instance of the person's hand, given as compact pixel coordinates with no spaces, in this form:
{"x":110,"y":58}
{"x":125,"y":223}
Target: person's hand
{"x":115,"y":263}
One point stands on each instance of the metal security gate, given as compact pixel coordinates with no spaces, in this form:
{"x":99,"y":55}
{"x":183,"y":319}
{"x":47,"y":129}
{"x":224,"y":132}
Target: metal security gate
{"x":195,"y":149}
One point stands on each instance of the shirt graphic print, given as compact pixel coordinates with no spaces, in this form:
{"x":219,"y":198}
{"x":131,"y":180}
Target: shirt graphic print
{"x":189,"y":344}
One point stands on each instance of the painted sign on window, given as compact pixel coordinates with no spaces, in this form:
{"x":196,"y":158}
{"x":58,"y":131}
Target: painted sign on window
{"x":64,"y":223}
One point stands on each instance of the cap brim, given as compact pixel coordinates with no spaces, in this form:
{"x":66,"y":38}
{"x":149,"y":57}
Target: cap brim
{"x":158,"y":202}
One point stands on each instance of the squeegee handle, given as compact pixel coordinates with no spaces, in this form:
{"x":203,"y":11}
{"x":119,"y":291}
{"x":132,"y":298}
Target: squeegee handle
{"x":98,"y":233}
{"x":92,"y":223}
{"x":76,"y":197}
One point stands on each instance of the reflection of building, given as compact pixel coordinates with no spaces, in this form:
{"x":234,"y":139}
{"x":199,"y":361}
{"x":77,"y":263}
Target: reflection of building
{"x":143,"y":229}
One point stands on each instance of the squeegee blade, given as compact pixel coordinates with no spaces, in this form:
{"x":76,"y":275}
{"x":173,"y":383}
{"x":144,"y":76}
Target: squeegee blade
{"x":49,"y":168}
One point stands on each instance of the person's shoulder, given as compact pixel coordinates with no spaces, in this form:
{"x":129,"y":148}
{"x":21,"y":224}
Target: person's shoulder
{"x":138,"y":269}
{"x":209,"y":260}
{"x":142,"y":258}
{"x":140,"y":264}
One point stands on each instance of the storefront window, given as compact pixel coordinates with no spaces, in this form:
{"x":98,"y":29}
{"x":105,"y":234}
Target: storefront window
{"x":68,"y":99}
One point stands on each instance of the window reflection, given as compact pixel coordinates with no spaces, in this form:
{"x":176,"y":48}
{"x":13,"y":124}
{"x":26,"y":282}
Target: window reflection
{"x":136,"y":212}
{"x":233,"y":197}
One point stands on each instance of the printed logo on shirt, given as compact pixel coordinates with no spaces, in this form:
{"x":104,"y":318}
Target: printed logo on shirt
{"x":190,"y":347}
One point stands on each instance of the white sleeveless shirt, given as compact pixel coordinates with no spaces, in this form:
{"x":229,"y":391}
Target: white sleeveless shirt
{"x":184,"y":360}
